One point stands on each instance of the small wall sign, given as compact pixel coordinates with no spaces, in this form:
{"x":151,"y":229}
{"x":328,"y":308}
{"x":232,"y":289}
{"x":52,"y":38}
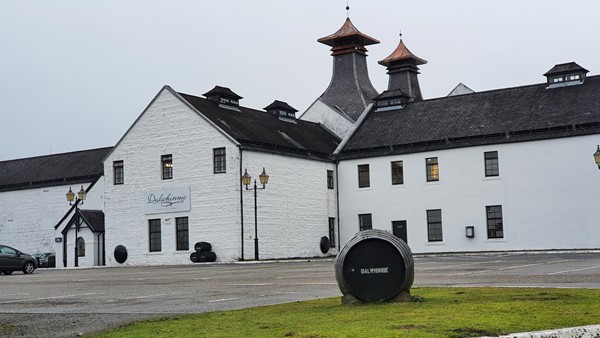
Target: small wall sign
{"x":58,"y":239}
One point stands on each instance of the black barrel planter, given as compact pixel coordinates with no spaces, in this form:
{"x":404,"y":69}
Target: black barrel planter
{"x":374,"y":266}
{"x":120,"y":254}
{"x":202,"y":246}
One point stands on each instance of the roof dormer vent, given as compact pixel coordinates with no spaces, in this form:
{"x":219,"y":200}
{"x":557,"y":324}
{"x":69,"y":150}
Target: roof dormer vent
{"x":224,"y":96}
{"x":565,"y":74}
{"x":391,"y":100}
{"x":282,"y":110}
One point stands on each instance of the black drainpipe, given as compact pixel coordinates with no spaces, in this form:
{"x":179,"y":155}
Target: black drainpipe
{"x":241,"y":205}
{"x":337,"y":202}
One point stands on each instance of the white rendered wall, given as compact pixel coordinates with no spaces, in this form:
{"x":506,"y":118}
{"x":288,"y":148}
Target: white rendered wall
{"x":28,"y":217}
{"x":170,"y":127}
{"x":549,"y":192}
{"x":293,"y":210}
{"x":321,"y":113}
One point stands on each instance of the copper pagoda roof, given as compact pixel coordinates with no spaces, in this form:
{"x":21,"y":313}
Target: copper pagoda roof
{"x":348,"y":30}
{"x":402,"y":53}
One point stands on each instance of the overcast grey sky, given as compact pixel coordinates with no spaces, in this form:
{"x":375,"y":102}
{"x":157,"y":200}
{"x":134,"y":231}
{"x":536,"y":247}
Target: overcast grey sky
{"x":74,"y":75}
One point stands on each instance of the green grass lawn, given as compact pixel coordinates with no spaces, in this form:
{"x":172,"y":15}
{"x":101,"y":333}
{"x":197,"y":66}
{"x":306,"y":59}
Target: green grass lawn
{"x":440,"y":312}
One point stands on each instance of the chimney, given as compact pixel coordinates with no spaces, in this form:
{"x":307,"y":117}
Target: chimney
{"x":350,"y":89}
{"x":402,"y":66}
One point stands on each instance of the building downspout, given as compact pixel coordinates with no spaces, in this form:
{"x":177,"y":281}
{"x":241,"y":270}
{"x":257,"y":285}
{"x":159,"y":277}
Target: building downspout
{"x":241,"y":207}
{"x":337,"y":204}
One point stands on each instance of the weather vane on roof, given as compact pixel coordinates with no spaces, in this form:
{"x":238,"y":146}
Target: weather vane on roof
{"x":347,"y":9}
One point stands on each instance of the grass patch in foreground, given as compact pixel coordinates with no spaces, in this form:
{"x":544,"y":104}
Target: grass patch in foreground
{"x":442,"y":312}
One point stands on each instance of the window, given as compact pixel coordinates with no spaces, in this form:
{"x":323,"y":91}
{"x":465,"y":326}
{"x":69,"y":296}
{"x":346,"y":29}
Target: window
{"x":434,"y":225}
{"x":364,"y":180}
{"x":491,"y":163}
{"x":167,"y":166}
{"x":80,"y":247}
{"x":365,"y":222}
{"x":154,"y":226}
{"x":494,"y":221}
{"x":219,"y":160}
{"x":330,"y":179}
{"x":433,"y":170}
{"x":118,"y":172}
{"x":182,"y":233}
{"x":332,"y":232}
{"x":397,"y":172}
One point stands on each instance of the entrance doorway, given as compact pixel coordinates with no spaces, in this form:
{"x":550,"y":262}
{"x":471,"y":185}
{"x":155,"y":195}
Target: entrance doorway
{"x":399,"y":230}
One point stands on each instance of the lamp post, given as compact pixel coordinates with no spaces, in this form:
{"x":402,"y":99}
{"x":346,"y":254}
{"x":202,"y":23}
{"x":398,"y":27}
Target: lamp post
{"x":81,"y":195}
{"x":597,"y":156}
{"x":264,"y":179}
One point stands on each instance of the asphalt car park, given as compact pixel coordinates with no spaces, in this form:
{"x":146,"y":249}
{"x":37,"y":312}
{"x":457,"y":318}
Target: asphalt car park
{"x":84,"y":300}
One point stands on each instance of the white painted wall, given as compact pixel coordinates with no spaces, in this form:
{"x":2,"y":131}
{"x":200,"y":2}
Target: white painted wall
{"x":321,"y":113}
{"x":293,"y":210}
{"x":549,"y":192}
{"x":28,"y":217}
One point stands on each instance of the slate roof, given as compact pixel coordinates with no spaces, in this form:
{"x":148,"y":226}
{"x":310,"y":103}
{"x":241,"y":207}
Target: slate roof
{"x":94,"y":218}
{"x":256,"y":129}
{"x":565,"y":68}
{"x":52,"y":170}
{"x":498,"y":116}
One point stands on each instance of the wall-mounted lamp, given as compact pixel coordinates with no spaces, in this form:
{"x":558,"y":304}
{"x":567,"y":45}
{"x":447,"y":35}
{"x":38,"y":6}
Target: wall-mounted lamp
{"x":470,"y":231}
{"x":597,"y":156}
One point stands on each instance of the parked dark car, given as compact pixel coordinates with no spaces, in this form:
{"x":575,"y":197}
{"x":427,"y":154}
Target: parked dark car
{"x":46,"y":260}
{"x":12,"y":260}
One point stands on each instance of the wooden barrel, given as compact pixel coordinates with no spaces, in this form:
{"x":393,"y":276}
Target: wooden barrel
{"x":120,"y":254}
{"x":206,"y":256}
{"x":202,"y":247}
{"x":324,"y":244}
{"x":374,"y":266}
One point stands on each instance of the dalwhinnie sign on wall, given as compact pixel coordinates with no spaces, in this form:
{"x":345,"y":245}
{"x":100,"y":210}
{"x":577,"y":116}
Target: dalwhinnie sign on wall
{"x":167,"y":200}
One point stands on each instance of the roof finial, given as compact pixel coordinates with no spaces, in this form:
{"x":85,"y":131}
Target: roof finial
{"x":400,"y":34}
{"x":347,"y":9}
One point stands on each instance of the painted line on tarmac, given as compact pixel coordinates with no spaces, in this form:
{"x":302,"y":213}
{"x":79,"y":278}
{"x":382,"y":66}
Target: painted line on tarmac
{"x":508,"y":268}
{"x":222,"y":300}
{"x":47,"y":298}
{"x":456,"y":265}
{"x":573,"y":270}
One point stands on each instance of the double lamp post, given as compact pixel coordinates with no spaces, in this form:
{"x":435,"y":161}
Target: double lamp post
{"x":264,"y":179}
{"x":80,"y":197}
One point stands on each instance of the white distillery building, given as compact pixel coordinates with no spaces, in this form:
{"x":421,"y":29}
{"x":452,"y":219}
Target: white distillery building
{"x":35,"y":216}
{"x":507,"y":169}
{"x":174,"y":180}
{"x":501,"y":170}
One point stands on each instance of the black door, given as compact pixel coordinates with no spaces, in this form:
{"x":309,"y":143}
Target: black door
{"x":399,"y":230}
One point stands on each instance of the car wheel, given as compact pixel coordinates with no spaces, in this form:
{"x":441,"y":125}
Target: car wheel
{"x":28,"y":268}
{"x":7,"y":272}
